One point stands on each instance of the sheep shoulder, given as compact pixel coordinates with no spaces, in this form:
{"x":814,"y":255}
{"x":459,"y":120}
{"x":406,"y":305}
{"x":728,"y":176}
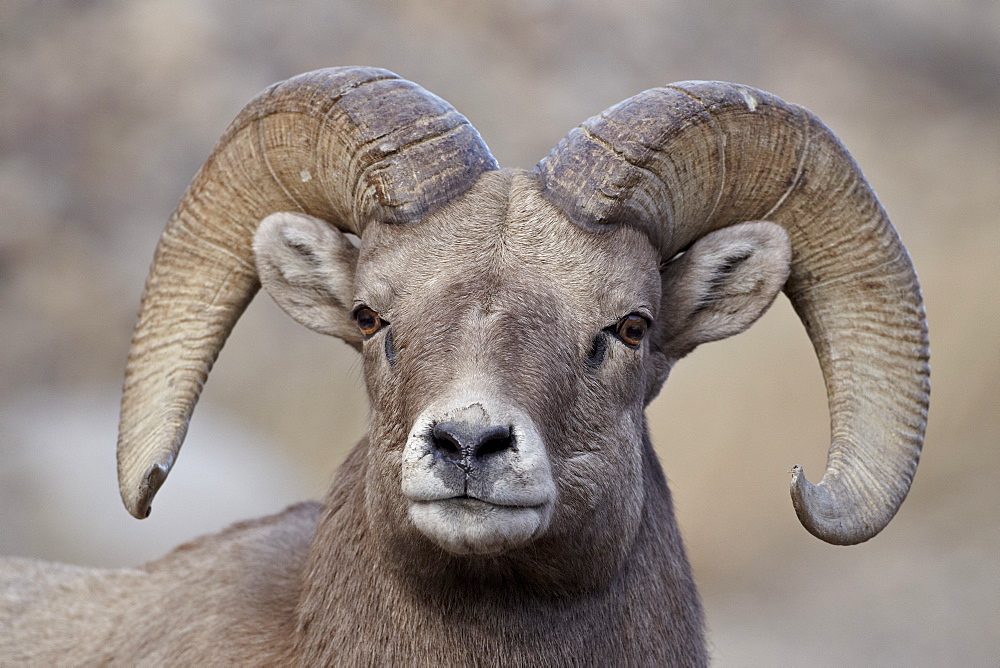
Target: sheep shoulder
{"x":234,"y":591}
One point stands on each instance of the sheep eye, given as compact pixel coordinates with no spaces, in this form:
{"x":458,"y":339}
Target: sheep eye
{"x":368,"y":320}
{"x":631,"y":329}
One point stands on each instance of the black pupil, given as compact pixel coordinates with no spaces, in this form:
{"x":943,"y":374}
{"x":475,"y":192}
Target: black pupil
{"x":634,"y":329}
{"x":367,"y":320}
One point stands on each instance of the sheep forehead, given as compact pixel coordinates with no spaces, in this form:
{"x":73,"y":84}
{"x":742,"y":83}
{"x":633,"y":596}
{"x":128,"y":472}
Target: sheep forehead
{"x":501,"y":242}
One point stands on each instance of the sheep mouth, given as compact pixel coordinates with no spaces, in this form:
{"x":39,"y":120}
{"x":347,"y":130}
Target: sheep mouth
{"x":471,"y":502}
{"x":474,"y":502}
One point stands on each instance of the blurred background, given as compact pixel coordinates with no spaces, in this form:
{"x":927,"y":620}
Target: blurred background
{"x":107,"y":109}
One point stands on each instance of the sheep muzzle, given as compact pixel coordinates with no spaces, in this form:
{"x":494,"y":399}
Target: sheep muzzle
{"x":476,"y":477}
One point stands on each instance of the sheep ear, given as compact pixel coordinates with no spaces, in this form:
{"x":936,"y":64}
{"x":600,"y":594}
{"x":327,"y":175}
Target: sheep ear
{"x":722,"y":284}
{"x":308,"y":266}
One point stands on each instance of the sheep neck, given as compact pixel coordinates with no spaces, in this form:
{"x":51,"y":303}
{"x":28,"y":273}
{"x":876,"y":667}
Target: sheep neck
{"x":362,"y":591}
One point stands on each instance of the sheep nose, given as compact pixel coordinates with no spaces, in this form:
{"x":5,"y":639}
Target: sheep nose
{"x":465,"y":442}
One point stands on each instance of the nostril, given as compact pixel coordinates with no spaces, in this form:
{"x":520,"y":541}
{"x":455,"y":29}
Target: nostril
{"x":461,"y":441}
{"x":446,"y":442}
{"x":497,"y":440}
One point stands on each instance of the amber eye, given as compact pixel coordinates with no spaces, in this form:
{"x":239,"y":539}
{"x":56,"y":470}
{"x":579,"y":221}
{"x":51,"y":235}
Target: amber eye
{"x":631,"y":329}
{"x":368,"y":320}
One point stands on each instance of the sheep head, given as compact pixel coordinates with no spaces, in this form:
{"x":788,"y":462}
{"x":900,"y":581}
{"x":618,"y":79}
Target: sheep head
{"x":509,"y":353}
{"x":515,"y":324}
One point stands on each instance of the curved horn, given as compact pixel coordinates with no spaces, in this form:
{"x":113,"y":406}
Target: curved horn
{"x":690,"y":158}
{"x":349,"y":145}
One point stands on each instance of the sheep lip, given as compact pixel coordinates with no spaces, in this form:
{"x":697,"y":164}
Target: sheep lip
{"x":474,"y":502}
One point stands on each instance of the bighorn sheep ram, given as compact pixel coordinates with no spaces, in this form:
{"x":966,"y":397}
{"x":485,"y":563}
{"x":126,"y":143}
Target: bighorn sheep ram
{"x":506,"y":505}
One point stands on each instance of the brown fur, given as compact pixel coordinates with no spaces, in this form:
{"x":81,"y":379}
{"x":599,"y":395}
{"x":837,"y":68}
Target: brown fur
{"x":234,"y":592}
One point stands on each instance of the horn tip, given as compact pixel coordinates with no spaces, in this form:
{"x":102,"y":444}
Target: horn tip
{"x":826,"y":517}
{"x":138,"y":500}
